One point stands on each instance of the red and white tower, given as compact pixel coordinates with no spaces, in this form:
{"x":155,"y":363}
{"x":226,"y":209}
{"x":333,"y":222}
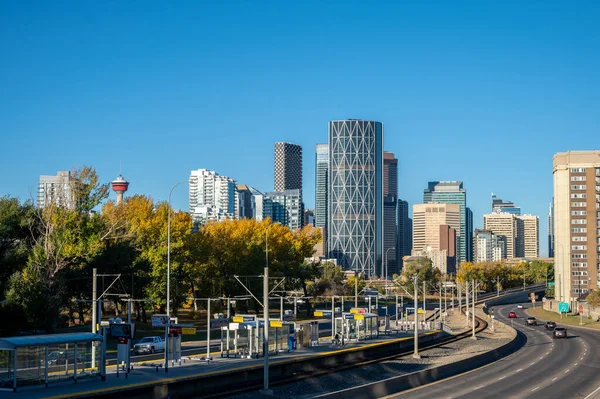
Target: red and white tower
{"x":119,"y":186}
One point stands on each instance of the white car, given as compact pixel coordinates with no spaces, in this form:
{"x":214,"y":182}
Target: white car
{"x":149,"y":345}
{"x":519,"y":306}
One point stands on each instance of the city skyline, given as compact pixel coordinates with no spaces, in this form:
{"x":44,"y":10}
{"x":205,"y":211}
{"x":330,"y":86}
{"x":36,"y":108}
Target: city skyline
{"x":477,"y":88}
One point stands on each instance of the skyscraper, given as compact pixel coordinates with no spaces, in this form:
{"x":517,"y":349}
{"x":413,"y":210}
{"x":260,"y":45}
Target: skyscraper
{"x":504,"y":206}
{"x":285,"y":207}
{"x":355,"y":199}
{"x":551,"y":230}
{"x":503,"y":224}
{"x":321,"y":189}
{"x":404,"y":237}
{"x":288,"y":166}
{"x":528,"y":233}
{"x":451,"y":192}
{"x":390,"y":202}
{"x":489,"y":246}
{"x":434,"y":233}
{"x":469,"y":235}
{"x":55,"y":189}
{"x":250,"y":202}
{"x":212,"y":196}
{"x":576,"y":226}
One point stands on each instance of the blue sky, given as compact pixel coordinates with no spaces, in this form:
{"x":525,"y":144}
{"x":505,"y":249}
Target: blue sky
{"x":484,"y":92}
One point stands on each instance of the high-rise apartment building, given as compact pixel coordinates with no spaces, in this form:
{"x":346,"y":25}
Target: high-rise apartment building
{"x":321,"y":188}
{"x":355,"y":195}
{"x":285,"y":207}
{"x":404,"y":237}
{"x":551,"y":230}
{"x":576,"y":223}
{"x":250,"y":202}
{"x":212,"y":197}
{"x":390,"y":203}
{"x":503,"y":224}
{"x":469,"y":232}
{"x":451,"y":192}
{"x":498,"y":205}
{"x":55,"y":190}
{"x":488,"y":246}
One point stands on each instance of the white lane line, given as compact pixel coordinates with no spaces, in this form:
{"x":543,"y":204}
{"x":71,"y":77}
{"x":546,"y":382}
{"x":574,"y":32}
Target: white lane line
{"x":554,"y":379}
{"x":593,"y":393}
{"x":479,"y":387}
{"x":567,"y":370}
{"x":532,"y":363}
{"x":535,"y":389}
{"x":581,"y":358}
{"x":501,"y":378}
{"x":519,"y":370}
{"x":541,"y":357}
{"x":575,"y":364}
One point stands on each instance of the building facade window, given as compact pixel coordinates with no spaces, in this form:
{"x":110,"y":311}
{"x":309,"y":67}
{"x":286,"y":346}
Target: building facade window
{"x":578,"y":256}
{"x":578,"y":187}
{"x":577,"y":170}
{"x":578,"y":221}
{"x":579,"y":247}
{"x":579,"y":264}
{"x":579,"y":195}
{"x":580,"y":238}
{"x":578,"y":213}
{"x":579,"y":204}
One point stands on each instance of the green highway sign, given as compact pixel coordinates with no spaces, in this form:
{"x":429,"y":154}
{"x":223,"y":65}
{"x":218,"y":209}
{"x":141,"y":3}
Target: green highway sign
{"x":563,"y":307}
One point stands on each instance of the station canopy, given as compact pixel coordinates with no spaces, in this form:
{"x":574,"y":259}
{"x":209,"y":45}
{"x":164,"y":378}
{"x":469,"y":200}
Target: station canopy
{"x":11,"y":343}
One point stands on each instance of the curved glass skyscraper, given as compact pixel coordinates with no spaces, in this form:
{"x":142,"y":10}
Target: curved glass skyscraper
{"x":355,"y":195}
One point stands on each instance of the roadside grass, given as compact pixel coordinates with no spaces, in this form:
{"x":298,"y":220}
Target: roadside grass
{"x":548,"y":315}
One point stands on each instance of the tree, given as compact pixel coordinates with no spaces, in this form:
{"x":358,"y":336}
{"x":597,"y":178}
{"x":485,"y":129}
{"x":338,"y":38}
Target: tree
{"x":593,"y":298}
{"x":421,"y":267}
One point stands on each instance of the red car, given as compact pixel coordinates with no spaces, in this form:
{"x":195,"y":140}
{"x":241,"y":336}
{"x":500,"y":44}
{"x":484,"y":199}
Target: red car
{"x":512,"y":315}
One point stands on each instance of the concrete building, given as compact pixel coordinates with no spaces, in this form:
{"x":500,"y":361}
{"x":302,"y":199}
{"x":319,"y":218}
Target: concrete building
{"x":503,"y":224}
{"x":309,"y":217}
{"x":212,"y":197}
{"x":551,"y":230}
{"x":321,"y":186}
{"x":355,"y":195}
{"x":528,"y":236}
{"x":488,"y":246}
{"x":451,"y":192}
{"x":284,"y":207}
{"x":55,"y":190}
{"x":469,"y":233}
{"x":390,"y":203}
{"x":576,"y":223}
{"x":434,"y":234}
{"x":404,"y":235}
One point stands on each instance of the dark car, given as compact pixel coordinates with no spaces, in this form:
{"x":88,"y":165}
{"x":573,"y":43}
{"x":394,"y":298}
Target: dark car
{"x":550,"y":325}
{"x":512,"y":315}
{"x":531,"y":321}
{"x":559,"y":332}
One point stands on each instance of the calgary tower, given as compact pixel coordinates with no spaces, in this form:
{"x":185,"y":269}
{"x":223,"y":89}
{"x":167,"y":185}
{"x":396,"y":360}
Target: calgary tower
{"x":119,"y":186}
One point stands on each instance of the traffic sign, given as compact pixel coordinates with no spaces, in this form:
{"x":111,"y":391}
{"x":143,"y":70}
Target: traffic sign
{"x":580,"y":308}
{"x":188,"y":330}
{"x":563,"y":307}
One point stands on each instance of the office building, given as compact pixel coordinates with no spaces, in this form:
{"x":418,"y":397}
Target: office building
{"x":309,"y":217}
{"x":488,"y":246}
{"x":551,"y":230}
{"x":451,"y":192}
{"x":469,"y":218}
{"x":498,"y":205}
{"x":284,"y":207}
{"x":288,"y":167}
{"x":528,"y":233}
{"x":404,"y":235}
{"x":355,"y":195}
{"x":503,"y":224}
{"x":212,"y":197}
{"x":390,"y":203}
{"x":435,"y":229}
{"x":576,"y":223}
{"x":55,"y":190}
{"x":321,"y":184}
{"x":250,"y":202}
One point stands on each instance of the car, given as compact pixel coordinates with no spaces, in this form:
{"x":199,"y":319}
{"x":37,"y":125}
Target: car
{"x":559,"y":332}
{"x":531,"y":321}
{"x":149,"y":345}
{"x":550,"y":325}
{"x":512,"y":315}
{"x":519,"y":306}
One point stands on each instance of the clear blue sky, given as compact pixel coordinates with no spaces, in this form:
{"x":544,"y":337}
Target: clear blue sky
{"x":484,"y":92}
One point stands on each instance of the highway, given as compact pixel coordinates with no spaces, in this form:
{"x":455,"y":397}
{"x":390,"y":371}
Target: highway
{"x":543,"y":368}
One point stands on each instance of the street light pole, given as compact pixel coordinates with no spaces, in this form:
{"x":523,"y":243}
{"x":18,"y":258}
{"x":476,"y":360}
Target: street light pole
{"x":169,"y":276}
{"x":387,"y":261}
{"x":416,"y":328}
{"x":266,"y":313}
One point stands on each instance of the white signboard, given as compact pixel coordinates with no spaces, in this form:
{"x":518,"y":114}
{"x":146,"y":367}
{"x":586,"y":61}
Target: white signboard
{"x":160,"y":320}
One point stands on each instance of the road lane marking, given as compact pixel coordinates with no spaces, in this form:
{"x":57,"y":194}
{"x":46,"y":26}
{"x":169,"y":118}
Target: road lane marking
{"x":554,"y":379}
{"x":575,"y":364}
{"x":541,"y":357}
{"x":501,"y":378}
{"x":535,"y":389}
{"x":479,"y":387}
{"x":567,"y":370}
{"x":532,"y":363}
{"x":581,"y":358}
{"x":590,"y":395}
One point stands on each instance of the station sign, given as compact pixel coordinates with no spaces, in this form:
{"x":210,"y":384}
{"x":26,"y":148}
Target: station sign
{"x":359,"y":317}
{"x":160,"y":320}
{"x":358,"y":310}
{"x":420,"y":311}
{"x":275,"y":323}
{"x":188,"y":330}
{"x":322,"y":313}
{"x":244,"y":319}
{"x":349,"y":316}
{"x":174,"y":330}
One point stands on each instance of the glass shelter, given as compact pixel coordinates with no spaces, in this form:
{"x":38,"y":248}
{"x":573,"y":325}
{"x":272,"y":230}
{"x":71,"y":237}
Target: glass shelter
{"x":44,"y":359}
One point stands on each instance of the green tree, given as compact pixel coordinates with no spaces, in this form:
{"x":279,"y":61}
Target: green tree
{"x":593,"y":298}
{"x":423,"y":268}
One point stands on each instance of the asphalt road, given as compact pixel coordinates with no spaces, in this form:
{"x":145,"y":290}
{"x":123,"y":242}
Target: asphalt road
{"x":543,"y":368}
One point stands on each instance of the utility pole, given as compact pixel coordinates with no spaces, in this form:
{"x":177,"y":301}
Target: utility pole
{"x":356,"y":289}
{"x":416,"y":329}
{"x":467,"y":304}
{"x":266,"y":314}
{"x":396,"y":312}
{"x":424,"y":304}
{"x":440,"y":311}
{"x":473,"y":316}
{"x":94,"y":304}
